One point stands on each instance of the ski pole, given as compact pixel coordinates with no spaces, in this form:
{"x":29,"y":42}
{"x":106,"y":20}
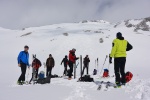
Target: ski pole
{"x":97,"y":64}
{"x":103,"y":64}
{"x":44,"y":67}
{"x":81,"y":65}
{"x":28,"y":76}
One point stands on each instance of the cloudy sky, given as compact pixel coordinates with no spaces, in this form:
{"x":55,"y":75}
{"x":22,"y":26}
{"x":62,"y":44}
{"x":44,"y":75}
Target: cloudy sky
{"x":17,"y":14}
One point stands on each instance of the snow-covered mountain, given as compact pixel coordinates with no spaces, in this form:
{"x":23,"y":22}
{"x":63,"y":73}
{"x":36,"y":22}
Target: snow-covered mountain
{"x":138,"y":24}
{"x":85,"y":36}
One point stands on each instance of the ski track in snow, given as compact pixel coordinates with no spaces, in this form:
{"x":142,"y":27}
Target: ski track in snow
{"x":78,"y":89}
{"x":140,"y":87}
{"x":78,"y":94}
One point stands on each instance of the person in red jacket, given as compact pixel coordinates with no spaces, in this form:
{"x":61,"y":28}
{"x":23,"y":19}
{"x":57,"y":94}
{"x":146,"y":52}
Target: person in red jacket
{"x":36,"y":64}
{"x":72,"y":60}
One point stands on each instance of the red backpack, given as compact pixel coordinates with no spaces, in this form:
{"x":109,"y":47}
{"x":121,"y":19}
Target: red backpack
{"x":129,"y":76}
{"x":106,"y":73}
{"x":36,"y":64}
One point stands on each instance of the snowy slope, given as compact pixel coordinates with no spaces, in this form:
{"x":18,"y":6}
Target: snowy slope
{"x":85,"y":38}
{"x":136,"y":24}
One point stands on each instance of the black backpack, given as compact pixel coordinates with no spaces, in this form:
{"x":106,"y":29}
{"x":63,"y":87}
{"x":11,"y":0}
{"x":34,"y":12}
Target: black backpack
{"x":55,"y":76}
{"x":86,"y":78}
{"x":44,"y":80}
{"x":94,"y":72}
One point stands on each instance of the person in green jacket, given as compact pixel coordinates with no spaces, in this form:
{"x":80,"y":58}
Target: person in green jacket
{"x":118,"y":52}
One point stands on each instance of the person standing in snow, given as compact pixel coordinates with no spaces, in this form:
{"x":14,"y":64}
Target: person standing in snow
{"x":23,"y":62}
{"x":65,"y":61}
{"x":50,"y":63}
{"x":72,"y":61}
{"x":118,"y":52}
{"x":36,"y":64}
{"x":86,"y":64}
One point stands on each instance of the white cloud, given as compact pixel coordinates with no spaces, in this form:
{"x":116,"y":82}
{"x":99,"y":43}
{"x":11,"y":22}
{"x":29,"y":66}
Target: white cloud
{"x":26,"y":13}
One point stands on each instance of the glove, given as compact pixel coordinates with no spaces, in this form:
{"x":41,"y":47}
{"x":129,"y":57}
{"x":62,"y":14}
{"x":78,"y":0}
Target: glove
{"x":19,"y":65}
{"x":77,"y":58}
{"x":110,"y":59}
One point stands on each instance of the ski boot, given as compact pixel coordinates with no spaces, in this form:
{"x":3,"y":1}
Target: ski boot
{"x":118,"y":85}
{"x":123,"y":84}
{"x":19,"y":83}
{"x":70,"y":78}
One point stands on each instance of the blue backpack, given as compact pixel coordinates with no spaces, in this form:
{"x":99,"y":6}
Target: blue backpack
{"x":41,"y":75}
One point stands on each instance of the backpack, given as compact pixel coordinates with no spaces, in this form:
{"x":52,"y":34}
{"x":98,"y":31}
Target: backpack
{"x":86,"y":78}
{"x":94,"y":72}
{"x":55,"y":76}
{"x":128,"y":77}
{"x":44,"y":80}
{"x":106,"y":73}
{"x":41,"y":75}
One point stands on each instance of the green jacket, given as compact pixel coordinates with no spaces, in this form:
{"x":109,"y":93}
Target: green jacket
{"x":120,"y":46}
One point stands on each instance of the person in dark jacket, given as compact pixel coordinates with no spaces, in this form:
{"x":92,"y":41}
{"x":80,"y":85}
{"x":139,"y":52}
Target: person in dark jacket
{"x":50,"y":63}
{"x":86,"y":64}
{"x":36,"y":64}
{"x":118,"y":52}
{"x":72,"y":61}
{"x":65,"y":61}
{"x":23,"y":62}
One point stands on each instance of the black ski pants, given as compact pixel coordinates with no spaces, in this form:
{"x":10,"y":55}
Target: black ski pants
{"x":71,"y":69}
{"x":87,"y":69}
{"x":23,"y":72}
{"x":119,"y":66}
{"x":34,"y":74}
{"x":65,"y":70}
{"x":49,"y":71}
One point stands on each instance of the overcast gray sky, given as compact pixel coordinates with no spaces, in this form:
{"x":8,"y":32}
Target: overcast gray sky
{"x":17,"y":14}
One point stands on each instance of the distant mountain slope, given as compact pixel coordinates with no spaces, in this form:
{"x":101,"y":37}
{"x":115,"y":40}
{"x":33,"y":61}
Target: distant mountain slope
{"x":137,"y":24}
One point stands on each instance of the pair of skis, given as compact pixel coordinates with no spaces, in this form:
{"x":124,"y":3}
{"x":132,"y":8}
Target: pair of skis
{"x":107,"y":85}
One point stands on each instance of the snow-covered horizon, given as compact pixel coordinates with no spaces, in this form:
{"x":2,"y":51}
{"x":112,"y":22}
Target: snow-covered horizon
{"x":132,"y":21}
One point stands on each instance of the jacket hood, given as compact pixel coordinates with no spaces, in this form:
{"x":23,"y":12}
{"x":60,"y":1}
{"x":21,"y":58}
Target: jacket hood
{"x":120,"y":38}
{"x":71,"y":51}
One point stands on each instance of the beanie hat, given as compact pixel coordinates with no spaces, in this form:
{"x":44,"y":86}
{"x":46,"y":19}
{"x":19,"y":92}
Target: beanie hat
{"x":119,"y":34}
{"x":26,"y":46}
{"x":73,"y":49}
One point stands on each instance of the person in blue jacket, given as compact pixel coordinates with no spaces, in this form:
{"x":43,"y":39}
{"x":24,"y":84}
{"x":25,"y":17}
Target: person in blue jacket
{"x":23,"y":62}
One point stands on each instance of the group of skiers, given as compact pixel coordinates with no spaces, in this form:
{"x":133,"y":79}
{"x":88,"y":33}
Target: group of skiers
{"x":118,"y":52}
{"x":23,"y":63}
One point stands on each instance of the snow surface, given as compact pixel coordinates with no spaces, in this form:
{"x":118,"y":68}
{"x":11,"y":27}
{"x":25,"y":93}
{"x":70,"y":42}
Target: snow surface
{"x":85,"y":38}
